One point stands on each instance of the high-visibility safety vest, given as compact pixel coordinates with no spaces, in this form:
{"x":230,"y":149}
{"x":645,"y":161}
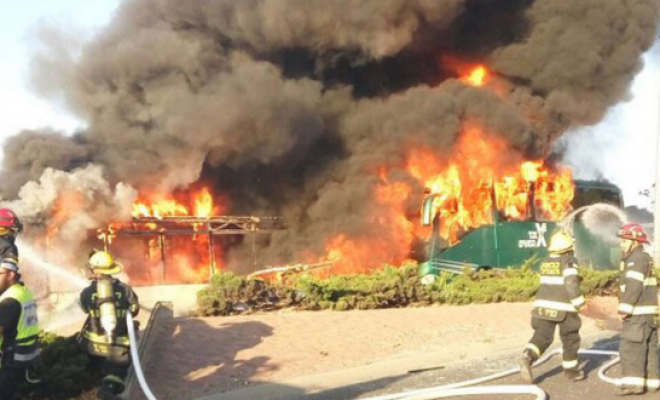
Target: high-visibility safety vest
{"x":25,"y":347}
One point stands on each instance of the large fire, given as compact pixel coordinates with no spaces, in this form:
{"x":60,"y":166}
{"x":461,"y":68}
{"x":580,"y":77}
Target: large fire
{"x":394,"y":233}
{"x":478,"y":180}
{"x":159,"y":207}
{"x":481,"y":176}
{"x":185,"y":258}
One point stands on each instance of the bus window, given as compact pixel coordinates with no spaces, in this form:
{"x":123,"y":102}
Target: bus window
{"x":590,"y":195}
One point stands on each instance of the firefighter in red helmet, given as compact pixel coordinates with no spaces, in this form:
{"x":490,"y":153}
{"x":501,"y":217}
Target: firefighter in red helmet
{"x":10,"y":227}
{"x":638,"y":308}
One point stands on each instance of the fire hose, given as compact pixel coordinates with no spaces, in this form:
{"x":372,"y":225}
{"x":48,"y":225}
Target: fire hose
{"x":136,"y":359}
{"x":462,"y":389}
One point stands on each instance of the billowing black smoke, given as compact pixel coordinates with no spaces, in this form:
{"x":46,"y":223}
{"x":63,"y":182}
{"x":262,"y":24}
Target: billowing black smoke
{"x":290,"y":107}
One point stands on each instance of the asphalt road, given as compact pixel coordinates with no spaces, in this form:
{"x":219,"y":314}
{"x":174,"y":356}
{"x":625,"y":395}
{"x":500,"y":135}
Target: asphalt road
{"x":547,"y":376}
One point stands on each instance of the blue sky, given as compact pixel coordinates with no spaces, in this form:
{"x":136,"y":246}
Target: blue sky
{"x":621,"y":148}
{"x":19,"y":107}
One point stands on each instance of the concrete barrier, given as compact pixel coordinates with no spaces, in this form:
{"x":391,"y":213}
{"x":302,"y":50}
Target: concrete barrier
{"x":161,"y":313}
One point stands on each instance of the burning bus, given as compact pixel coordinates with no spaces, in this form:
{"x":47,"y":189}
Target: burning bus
{"x":514,"y":221}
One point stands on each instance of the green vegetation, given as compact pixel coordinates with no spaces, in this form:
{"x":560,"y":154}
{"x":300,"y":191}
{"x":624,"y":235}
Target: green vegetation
{"x":63,"y":368}
{"x":385,"y":288}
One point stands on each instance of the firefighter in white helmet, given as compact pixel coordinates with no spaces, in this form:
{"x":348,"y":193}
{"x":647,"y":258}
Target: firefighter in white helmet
{"x":19,"y":329}
{"x":105,"y":335}
{"x":557,"y":303}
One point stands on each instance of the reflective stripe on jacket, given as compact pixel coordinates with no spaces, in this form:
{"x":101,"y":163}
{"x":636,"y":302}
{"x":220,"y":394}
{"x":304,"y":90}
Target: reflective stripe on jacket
{"x":638,"y":286}
{"x":559,"y":285}
{"x":25,"y":347}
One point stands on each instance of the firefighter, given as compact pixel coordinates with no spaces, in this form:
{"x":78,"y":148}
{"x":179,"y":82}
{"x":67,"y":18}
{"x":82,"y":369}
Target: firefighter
{"x":19,"y":329}
{"x":10,"y":227}
{"x":557,"y":303}
{"x":105,"y":335}
{"x":638,"y":308}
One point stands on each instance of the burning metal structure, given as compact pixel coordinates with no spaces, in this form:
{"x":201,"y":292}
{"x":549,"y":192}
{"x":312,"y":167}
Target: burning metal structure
{"x":181,"y":240}
{"x":157,"y":233}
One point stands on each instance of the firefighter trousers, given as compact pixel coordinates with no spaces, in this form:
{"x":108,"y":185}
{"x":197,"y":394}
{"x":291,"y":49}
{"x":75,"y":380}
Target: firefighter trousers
{"x":10,"y":378}
{"x":639,"y":352}
{"x":113,"y":371}
{"x":569,"y":332}
{"x":111,"y":360}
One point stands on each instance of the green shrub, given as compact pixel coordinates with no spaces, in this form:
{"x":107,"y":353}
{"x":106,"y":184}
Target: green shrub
{"x":388,"y":287}
{"x":64,"y":371}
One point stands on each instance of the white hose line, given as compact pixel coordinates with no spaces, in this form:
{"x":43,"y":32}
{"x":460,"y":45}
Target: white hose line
{"x":607,"y":365}
{"x":451,"y":390}
{"x":483,"y":390}
{"x":136,"y":359}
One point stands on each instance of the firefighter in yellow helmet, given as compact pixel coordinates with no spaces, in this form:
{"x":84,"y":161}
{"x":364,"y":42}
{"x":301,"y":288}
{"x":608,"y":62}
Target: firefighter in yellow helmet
{"x":557,"y":303}
{"x":105,"y":335}
{"x":19,"y":329}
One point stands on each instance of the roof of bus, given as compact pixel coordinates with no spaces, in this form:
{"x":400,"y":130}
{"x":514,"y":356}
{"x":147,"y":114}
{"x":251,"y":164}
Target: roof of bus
{"x":581,"y":184}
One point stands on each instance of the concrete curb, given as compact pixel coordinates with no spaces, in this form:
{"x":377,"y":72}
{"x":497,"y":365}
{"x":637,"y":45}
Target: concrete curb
{"x":161,"y":312}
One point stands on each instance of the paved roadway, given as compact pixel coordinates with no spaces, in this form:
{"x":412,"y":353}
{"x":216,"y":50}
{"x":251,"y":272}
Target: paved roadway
{"x":548,"y":377}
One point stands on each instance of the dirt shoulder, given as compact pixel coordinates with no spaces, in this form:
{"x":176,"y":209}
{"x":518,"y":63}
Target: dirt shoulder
{"x":198,"y":356}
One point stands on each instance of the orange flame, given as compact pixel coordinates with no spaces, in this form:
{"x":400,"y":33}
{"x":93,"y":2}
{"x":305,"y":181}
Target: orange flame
{"x":476,"y":179}
{"x":530,"y":170}
{"x":203,"y":204}
{"x":477,"y":76}
{"x":481,"y":179}
{"x":393,"y":233}
{"x":159,"y":209}
{"x":187,"y":258}
{"x":202,"y":201}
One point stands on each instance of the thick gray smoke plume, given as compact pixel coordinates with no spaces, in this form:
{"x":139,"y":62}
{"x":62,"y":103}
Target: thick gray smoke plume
{"x":291,"y":107}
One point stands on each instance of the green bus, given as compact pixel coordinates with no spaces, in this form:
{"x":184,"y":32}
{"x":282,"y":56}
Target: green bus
{"x":511,"y":243}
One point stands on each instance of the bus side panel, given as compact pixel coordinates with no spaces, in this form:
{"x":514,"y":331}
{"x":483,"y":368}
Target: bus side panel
{"x":477,"y":247}
{"x":521,"y":241}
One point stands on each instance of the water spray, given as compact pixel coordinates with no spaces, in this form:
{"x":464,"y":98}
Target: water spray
{"x":597,"y":218}
{"x":30,"y":254}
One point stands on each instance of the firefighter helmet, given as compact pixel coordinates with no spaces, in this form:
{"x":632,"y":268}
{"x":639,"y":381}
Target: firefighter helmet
{"x":9,"y":222}
{"x":101,"y":262}
{"x":561,"y":242}
{"x":10,"y":264}
{"x":633,"y":232}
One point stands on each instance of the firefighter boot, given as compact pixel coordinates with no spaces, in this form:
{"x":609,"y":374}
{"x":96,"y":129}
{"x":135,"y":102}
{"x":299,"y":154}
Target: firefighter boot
{"x":110,"y":390}
{"x":628,"y":390}
{"x":574,"y":374}
{"x":526,"y":361}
